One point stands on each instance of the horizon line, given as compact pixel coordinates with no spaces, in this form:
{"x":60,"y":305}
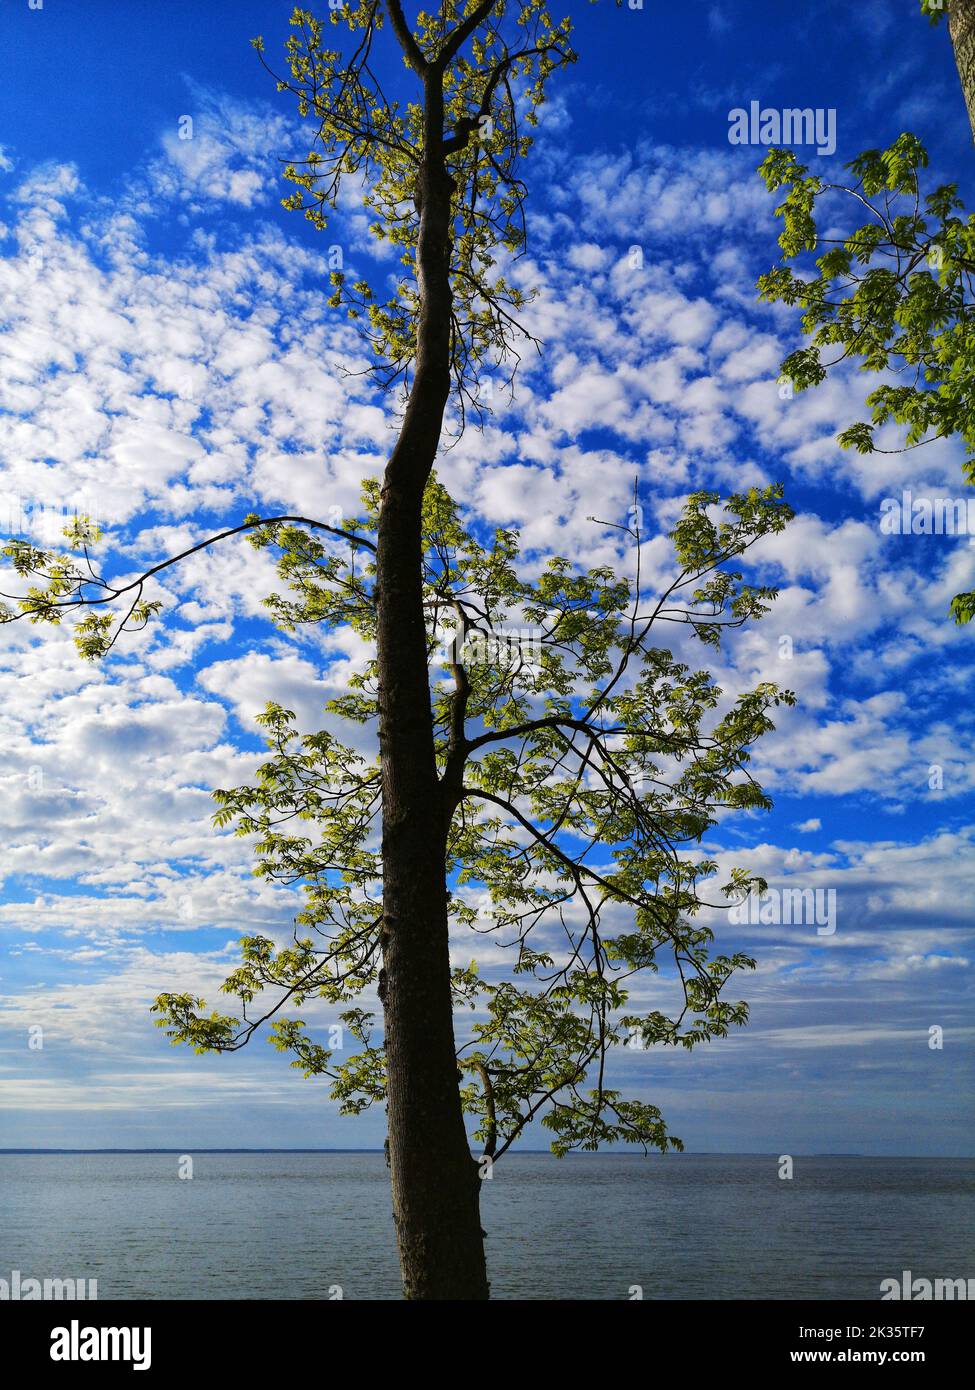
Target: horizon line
{"x":607,"y":1153}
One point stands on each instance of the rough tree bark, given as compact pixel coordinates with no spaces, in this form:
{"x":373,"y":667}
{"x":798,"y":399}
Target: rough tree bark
{"x":435,"y":1180}
{"x":961,"y":27}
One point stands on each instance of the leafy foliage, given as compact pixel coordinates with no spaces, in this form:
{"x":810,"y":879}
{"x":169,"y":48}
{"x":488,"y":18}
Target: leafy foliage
{"x":896,"y":292}
{"x":481,"y":71}
{"x":104,"y":608}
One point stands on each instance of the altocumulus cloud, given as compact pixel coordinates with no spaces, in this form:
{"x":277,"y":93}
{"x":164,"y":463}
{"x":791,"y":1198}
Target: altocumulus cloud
{"x":172,"y":391}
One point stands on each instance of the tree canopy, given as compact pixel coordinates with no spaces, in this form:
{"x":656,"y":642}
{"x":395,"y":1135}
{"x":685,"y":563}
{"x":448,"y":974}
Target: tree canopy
{"x":483,"y":68}
{"x":894,"y":292}
{"x":583,"y":764}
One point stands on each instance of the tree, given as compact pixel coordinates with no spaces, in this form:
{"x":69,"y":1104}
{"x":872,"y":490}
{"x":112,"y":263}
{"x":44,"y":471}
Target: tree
{"x":896,"y":292}
{"x":961,"y":30}
{"x":516,"y":775}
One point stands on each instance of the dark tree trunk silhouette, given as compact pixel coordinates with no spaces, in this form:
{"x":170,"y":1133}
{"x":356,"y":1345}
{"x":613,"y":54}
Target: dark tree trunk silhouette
{"x":435,"y":1180}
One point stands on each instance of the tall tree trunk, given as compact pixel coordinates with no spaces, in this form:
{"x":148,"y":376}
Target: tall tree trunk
{"x":961,"y":27}
{"x":435,"y":1180}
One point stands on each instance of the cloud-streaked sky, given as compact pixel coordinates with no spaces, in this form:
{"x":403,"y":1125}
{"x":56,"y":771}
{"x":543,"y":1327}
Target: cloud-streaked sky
{"x":168,"y":362}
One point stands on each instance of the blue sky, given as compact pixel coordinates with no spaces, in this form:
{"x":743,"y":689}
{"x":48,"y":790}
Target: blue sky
{"x":168,"y":357}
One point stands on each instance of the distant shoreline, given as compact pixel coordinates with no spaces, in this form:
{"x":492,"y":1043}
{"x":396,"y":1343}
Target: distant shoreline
{"x":545,"y":1153}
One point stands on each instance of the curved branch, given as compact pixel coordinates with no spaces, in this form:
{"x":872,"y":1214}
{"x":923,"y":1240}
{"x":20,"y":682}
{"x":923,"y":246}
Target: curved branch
{"x":138,"y":583}
{"x":404,"y":34}
{"x":459,"y":35}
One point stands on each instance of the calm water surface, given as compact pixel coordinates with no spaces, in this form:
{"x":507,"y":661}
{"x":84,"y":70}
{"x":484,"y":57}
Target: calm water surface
{"x":290,"y":1225}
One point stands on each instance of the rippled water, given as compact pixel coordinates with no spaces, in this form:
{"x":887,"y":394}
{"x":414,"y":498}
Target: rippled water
{"x":292,"y":1225}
